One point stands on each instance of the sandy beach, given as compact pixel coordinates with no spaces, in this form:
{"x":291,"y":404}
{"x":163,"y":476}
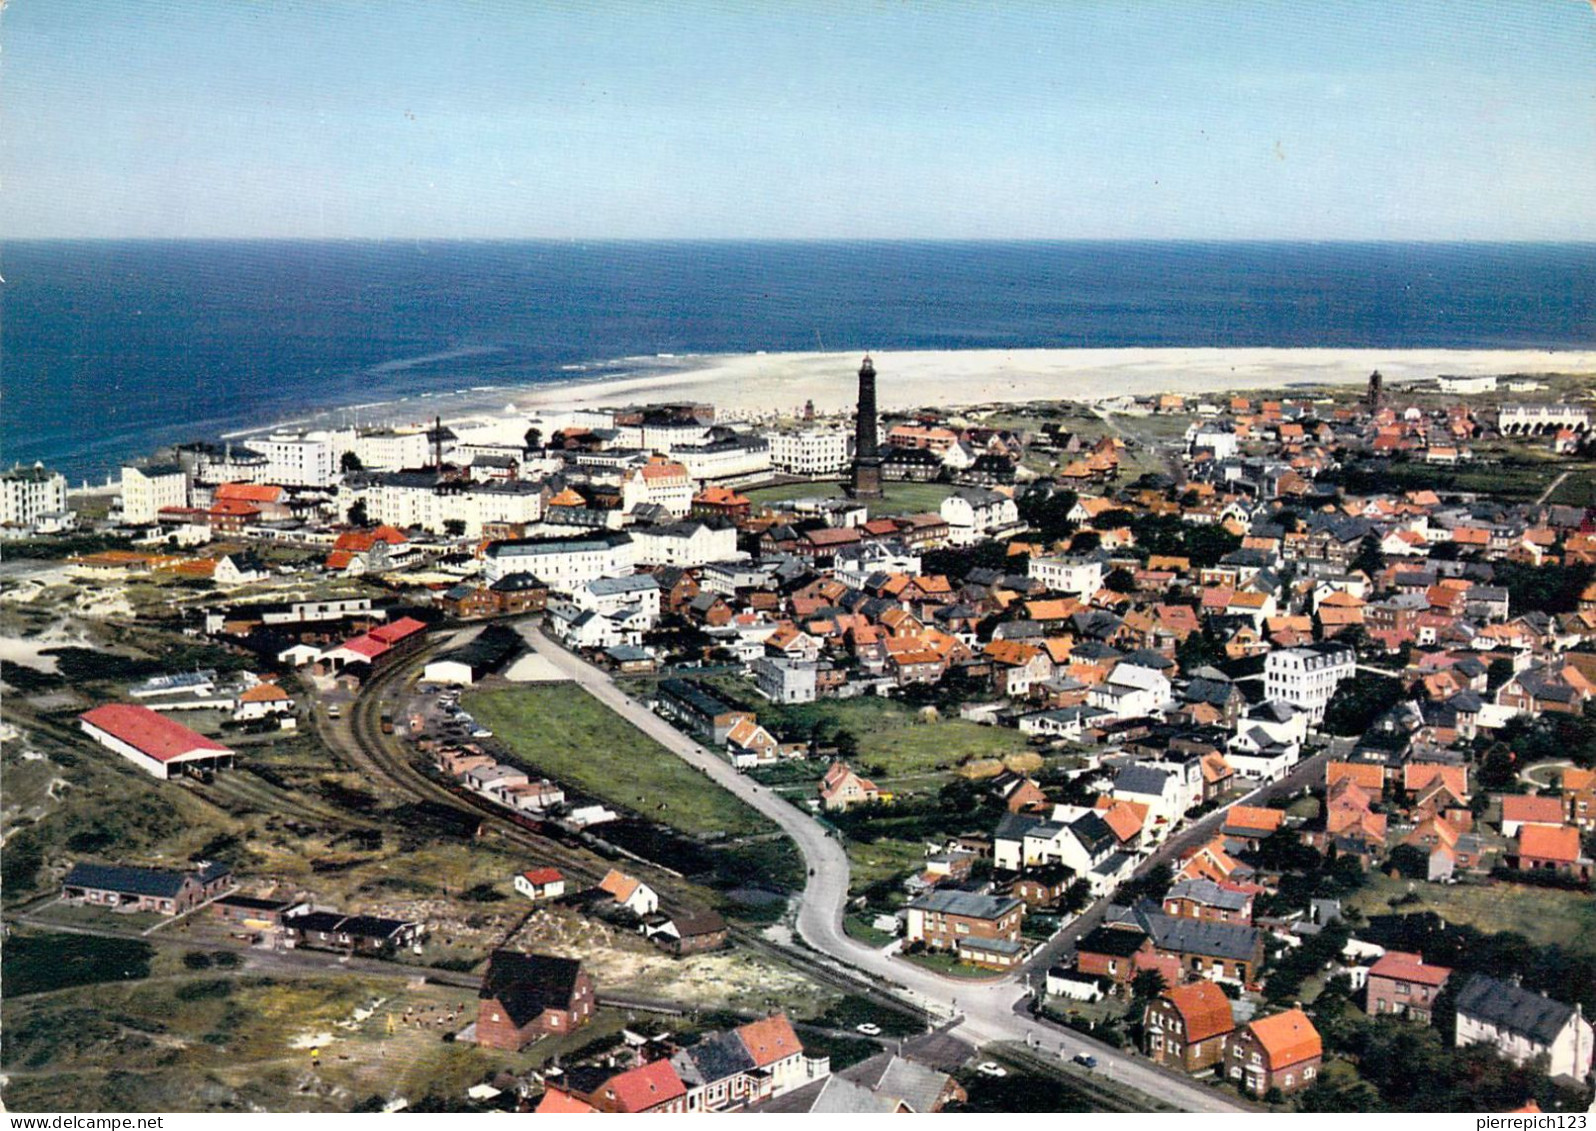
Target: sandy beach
{"x":759,"y":384}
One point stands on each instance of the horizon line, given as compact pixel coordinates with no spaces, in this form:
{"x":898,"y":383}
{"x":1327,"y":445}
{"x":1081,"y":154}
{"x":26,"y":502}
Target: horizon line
{"x":994,"y":240}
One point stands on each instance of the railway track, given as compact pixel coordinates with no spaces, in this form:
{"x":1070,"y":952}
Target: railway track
{"x":382,"y":755}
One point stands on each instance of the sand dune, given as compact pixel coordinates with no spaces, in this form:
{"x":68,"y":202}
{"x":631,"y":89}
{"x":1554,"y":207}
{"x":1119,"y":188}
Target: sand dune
{"x":756,"y":384}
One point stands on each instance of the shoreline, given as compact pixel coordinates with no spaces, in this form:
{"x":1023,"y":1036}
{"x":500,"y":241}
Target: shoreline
{"x":764,"y":386}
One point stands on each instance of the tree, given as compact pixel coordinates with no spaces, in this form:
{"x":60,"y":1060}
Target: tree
{"x":533,"y":438}
{"x":847,"y":744}
{"x":454,"y":527}
{"x":1120,"y":580}
{"x":1500,"y":671}
{"x":358,"y":515}
{"x":349,"y":461}
{"x":1146,"y":986}
{"x":1369,"y":558}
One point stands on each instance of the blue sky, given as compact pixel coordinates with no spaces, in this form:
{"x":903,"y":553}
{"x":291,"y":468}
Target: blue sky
{"x":1413,"y":119}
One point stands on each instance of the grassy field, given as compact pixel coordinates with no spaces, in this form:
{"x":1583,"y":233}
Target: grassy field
{"x":1542,"y":915}
{"x":566,"y":733}
{"x":898,"y":498}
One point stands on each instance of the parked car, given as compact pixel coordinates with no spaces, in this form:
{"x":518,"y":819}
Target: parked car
{"x":1086,"y":1060}
{"x":990,"y":1068}
{"x":869,"y":1029}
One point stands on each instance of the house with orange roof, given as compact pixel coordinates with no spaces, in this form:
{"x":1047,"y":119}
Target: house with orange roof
{"x":1211,"y":862}
{"x":629,"y":892}
{"x":652,"y":1086}
{"x":1579,"y":796}
{"x":1127,"y":820}
{"x":1551,"y":850}
{"x":1252,"y":824}
{"x":261,"y":701}
{"x":1282,"y":1052}
{"x":723,"y":502}
{"x":1186,"y":1027}
{"x":1519,"y":810}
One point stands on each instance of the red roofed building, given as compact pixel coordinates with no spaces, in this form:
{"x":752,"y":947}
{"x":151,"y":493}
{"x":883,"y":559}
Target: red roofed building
{"x":652,"y":1087}
{"x":154,"y":743}
{"x":541,"y":883}
{"x":1186,"y":1026}
{"x":1283,"y":1051}
{"x":777,"y":1050}
{"x":1519,"y":810}
{"x":369,"y":647}
{"x":1404,"y":984}
{"x":1542,"y":848}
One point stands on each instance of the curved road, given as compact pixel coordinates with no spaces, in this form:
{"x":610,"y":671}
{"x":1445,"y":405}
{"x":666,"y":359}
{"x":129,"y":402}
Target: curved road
{"x":991,"y":1011}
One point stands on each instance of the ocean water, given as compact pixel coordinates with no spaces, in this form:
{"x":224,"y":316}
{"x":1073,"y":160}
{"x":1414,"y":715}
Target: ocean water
{"x":108,"y":349}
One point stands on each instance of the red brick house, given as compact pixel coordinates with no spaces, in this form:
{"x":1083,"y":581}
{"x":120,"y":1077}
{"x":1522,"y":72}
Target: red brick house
{"x":1282,"y":1051}
{"x":1186,"y":1027}
{"x":1402,"y":983}
{"x":1111,"y":952}
{"x":1542,"y":848}
{"x":525,"y":996}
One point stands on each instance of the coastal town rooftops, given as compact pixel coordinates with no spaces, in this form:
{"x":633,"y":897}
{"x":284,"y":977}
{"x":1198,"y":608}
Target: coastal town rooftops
{"x":1209,"y":893}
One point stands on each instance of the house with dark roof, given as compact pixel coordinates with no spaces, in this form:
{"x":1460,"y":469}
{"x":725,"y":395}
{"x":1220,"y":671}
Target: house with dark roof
{"x":982,"y":929}
{"x":1522,"y":1025}
{"x":1224,"y":952}
{"x":526,"y":996}
{"x":122,"y":887}
{"x":350,"y":934}
{"x":1404,"y":984}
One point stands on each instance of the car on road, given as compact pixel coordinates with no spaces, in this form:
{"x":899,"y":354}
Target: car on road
{"x":991,"y":1068}
{"x":334,"y":711}
{"x":869,"y":1029}
{"x":1085,"y":1060}
{"x":482,"y":732}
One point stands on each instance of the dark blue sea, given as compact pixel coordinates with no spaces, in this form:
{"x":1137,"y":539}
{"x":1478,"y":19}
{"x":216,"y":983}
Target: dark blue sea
{"x":108,"y":349}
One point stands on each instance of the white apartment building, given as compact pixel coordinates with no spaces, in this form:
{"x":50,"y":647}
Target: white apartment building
{"x":29,"y":494}
{"x":1528,"y":419}
{"x":1307,"y":677}
{"x":975,"y":513}
{"x":661,"y":482}
{"x":639,"y":594}
{"x":1077,"y":575}
{"x":810,"y":451}
{"x":148,"y":490}
{"x":729,"y":457}
{"x":393,"y":449}
{"x":303,"y":459}
{"x":562,"y":563}
{"x":685,"y":544}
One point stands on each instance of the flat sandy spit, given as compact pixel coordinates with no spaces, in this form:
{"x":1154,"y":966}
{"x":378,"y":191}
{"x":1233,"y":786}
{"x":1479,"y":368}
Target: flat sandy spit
{"x":756,"y":384}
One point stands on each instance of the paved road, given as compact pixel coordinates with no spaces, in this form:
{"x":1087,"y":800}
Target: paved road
{"x":989,"y":1009}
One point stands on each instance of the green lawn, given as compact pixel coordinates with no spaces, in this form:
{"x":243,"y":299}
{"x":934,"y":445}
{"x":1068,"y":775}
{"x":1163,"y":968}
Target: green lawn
{"x":898,"y":498}
{"x":1542,"y":915}
{"x":943,"y":963}
{"x":893,"y":740}
{"x":566,"y":733}
{"x":38,"y":963}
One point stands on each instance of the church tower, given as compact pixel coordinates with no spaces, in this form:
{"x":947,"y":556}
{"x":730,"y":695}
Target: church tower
{"x":866,"y":442}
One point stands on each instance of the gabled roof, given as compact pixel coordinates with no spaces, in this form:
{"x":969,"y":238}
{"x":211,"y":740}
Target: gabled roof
{"x":527,"y":984}
{"x":1289,"y":1038}
{"x":1513,"y":1008}
{"x":1204,"y":1010}
{"x":150,"y":732}
{"x":1547,"y":843}
{"x":1404,"y":966}
{"x":645,"y":1087}
{"x":770,"y":1040}
{"x":161,"y":883}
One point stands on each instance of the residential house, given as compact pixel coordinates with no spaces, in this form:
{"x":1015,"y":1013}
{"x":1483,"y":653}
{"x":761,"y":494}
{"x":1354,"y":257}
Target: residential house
{"x":527,"y":996}
{"x":1281,"y":1052}
{"x":1404,"y":984}
{"x":1522,"y":1025}
{"x":1186,"y":1027}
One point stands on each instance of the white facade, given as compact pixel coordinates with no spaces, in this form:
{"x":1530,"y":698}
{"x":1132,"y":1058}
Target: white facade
{"x":973,"y":514}
{"x":562,"y":564}
{"x":1307,"y":677}
{"x":685,"y":544}
{"x":726,"y":459}
{"x":28,"y":494}
{"x":1520,"y":419}
{"x":393,"y":449}
{"x":662,"y":484}
{"x":147,"y":490}
{"x":303,"y":459}
{"x":811,"y":451}
{"x":1569,"y":1054}
{"x":1074,"y":575}
{"x":611,"y":595}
